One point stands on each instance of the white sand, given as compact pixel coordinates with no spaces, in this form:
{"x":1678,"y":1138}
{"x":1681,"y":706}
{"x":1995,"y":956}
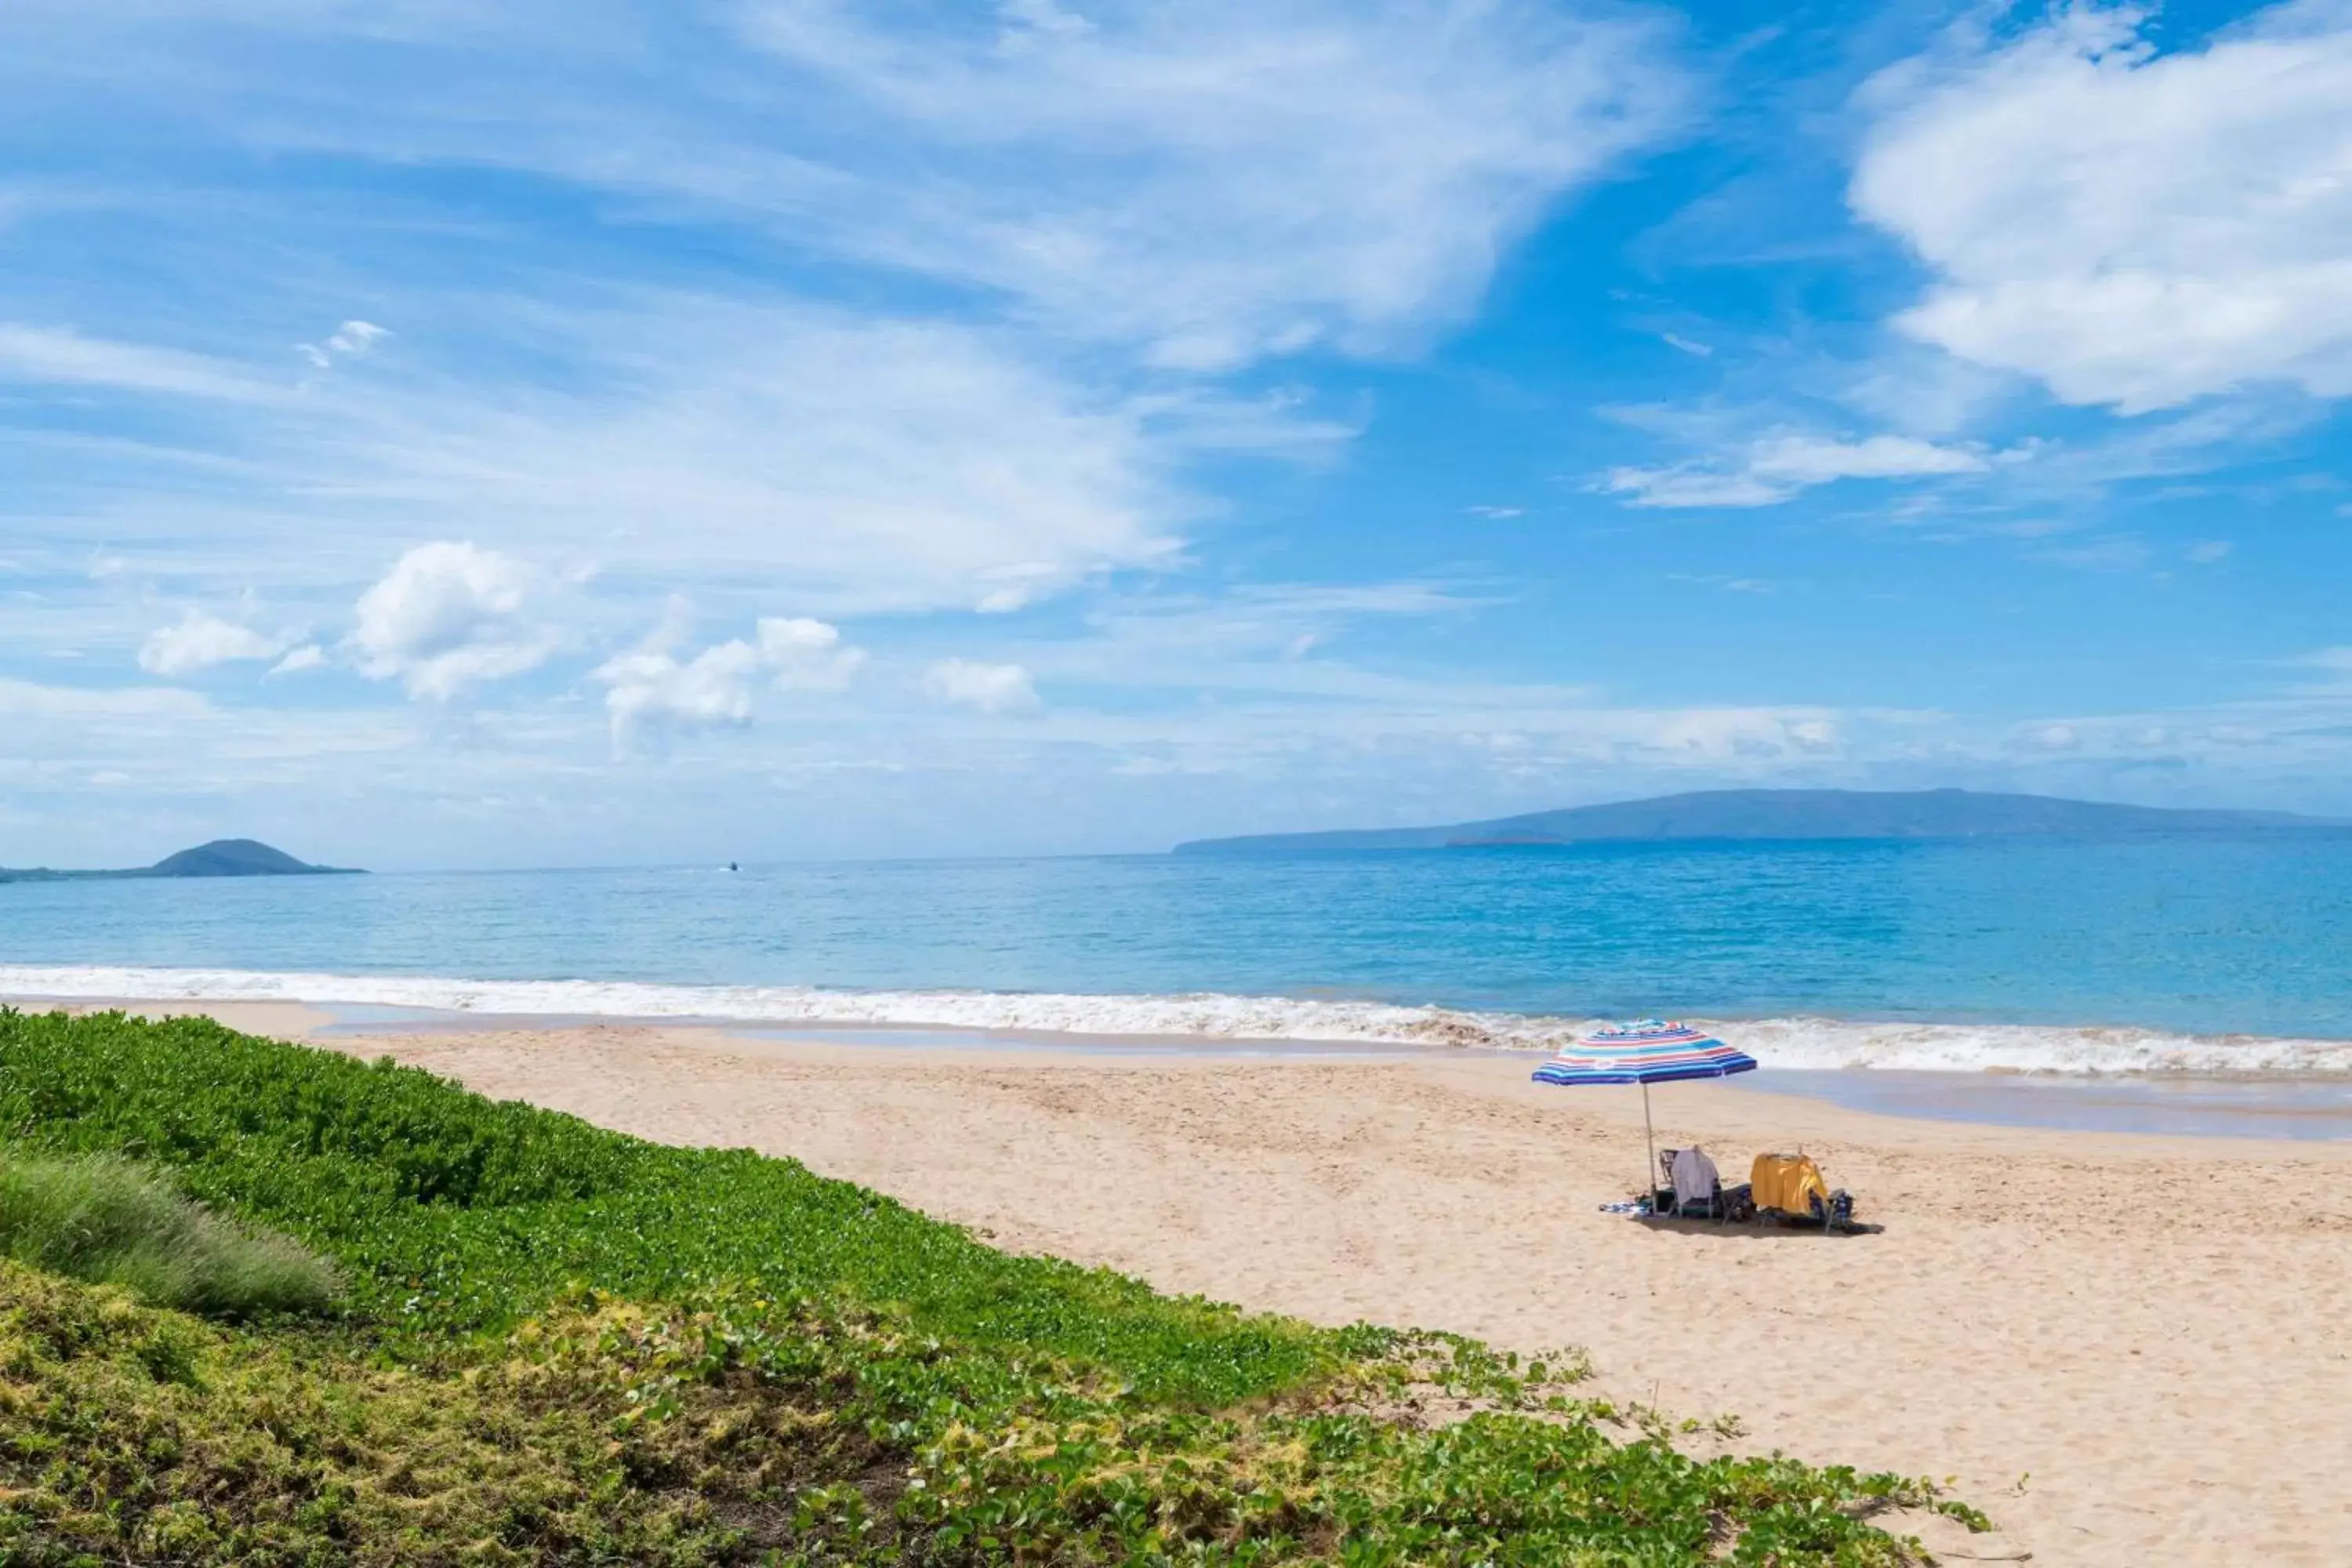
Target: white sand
{"x":2129,"y":1350}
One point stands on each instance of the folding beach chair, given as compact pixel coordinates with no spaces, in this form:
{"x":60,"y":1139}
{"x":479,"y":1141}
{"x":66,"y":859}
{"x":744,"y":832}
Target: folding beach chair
{"x":1667,"y":1202}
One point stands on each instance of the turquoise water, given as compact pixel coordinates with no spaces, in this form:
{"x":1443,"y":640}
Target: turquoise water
{"x":1913,"y":954}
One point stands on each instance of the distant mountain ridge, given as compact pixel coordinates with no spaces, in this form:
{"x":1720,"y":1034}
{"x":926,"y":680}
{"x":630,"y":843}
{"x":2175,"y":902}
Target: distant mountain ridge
{"x":221,"y":858}
{"x":1792,"y":813}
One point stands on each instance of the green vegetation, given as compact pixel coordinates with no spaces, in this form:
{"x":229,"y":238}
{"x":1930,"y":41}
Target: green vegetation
{"x":559,"y":1345}
{"x":450,"y":1212}
{"x":103,"y":1219}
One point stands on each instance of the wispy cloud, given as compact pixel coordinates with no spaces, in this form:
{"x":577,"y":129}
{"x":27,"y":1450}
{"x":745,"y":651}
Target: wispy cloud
{"x":199,"y":640}
{"x":350,"y":341}
{"x":2105,"y":552}
{"x":1778,"y":467}
{"x":1213,"y":186}
{"x":34,"y":700}
{"x":860,"y":463}
{"x":61,"y":357}
{"x":1233,"y":180}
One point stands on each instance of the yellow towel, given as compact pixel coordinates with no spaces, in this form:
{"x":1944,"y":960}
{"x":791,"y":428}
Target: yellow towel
{"x":1788,"y":1183}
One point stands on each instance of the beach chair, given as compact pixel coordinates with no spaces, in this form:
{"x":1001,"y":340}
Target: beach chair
{"x":1665,"y":1201}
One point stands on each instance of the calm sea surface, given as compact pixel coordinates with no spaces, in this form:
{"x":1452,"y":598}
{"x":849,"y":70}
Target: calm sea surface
{"x":2241,"y":936}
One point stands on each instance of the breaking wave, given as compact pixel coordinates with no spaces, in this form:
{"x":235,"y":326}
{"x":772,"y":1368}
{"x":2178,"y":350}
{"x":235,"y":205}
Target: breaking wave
{"x":1797,"y":1042}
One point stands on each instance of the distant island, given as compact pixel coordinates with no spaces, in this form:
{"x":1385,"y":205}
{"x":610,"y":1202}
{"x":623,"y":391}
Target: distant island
{"x":1792,"y":813}
{"x":221,"y":858}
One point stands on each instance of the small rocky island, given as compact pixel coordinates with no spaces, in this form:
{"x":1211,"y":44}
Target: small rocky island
{"x":221,"y":858}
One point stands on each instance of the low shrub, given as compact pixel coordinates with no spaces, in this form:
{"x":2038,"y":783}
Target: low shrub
{"x":448,"y":1210}
{"x":134,"y":1434}
{"x":740,"y":1430}
{"x":103,"y":1219}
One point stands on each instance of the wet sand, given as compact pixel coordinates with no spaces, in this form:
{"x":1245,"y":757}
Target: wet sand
{"x":2130,"y":1349}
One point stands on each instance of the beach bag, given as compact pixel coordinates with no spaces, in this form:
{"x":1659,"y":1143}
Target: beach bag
{"x":1790,"y":1184}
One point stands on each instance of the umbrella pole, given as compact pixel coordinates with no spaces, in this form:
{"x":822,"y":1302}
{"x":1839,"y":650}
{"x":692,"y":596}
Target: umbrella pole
{"x":1649,"y":1143}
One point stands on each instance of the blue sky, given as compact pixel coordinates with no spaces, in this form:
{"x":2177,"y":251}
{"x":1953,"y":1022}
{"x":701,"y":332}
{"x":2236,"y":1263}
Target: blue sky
{"x":435,"y":435}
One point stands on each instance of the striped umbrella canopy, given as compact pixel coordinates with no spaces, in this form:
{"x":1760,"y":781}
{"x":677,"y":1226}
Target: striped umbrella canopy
{"x":1651,"y":1052}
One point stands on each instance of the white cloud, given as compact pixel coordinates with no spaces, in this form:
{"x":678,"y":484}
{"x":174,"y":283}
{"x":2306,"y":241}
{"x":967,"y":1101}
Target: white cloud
{"x":1774,"y":469}
{"x":350,"y":341}
{"x":2132,"y":228}
{"x":651,"y":684}
{"x":713,"y":687}
{"x":58,"y":357}
{"x":449,"y":615}
{"x":355,"y":337}
{"x":199,"y":641}
{"x":1676,"y":340}
{"x":1809,"y":461}
{"x":806,"y":655}
{"x":991,"y":687}
{"x":1691,"y":487}
{"x":2206,"y":551}
{"x":309,"y":655}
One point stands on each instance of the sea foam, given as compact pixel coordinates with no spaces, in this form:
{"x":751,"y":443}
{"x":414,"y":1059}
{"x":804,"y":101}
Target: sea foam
{"x":1794,"y":1042}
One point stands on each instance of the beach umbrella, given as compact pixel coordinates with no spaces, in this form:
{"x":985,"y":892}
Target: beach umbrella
{"x":1651,"y":1052}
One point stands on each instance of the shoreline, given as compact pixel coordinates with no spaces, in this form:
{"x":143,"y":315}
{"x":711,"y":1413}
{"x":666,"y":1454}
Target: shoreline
{"x":1797,"y":1042}
{"x":2296,"y":1109}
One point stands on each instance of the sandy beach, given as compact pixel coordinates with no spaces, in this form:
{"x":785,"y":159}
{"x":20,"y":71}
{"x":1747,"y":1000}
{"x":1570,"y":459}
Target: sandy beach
{"x":2128,"y":1350}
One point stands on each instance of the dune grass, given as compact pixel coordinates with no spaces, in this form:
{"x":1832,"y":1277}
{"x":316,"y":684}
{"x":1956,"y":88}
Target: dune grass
{"x":561,"y":1345}
{"x":103,"y":1219}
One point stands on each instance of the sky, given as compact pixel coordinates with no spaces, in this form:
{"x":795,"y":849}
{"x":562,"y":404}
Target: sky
{"x":608,"y":432}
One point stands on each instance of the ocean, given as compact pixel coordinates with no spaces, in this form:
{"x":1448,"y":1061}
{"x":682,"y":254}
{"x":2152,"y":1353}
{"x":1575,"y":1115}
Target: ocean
{"x":2203,"y":955}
